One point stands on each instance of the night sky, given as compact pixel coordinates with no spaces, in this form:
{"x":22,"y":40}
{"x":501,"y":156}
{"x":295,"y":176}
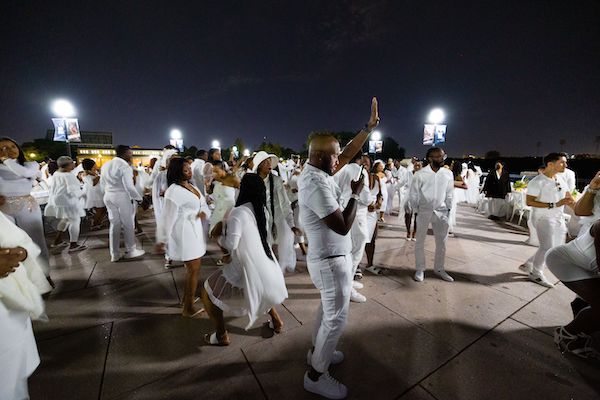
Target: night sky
{"x":508,"y":73}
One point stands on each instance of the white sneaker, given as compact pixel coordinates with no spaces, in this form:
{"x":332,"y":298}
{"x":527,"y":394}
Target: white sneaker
{"x":326,"y":386}
{"x":419,"y":276}
{"x":115,"y":259}
{"x":357,"y":297}
{"x":357,"y":285}
{"x":135,"y":253}
{"x":540,"y":279}
{"x":444,"y":275}
{"x":337,"y":358}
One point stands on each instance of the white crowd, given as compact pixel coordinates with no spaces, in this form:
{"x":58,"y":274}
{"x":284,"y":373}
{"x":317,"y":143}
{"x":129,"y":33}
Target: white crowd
{"x":265,"y":213}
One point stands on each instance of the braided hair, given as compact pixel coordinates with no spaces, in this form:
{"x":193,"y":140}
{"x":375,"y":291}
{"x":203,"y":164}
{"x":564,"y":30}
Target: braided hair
{"x":252,"y":190}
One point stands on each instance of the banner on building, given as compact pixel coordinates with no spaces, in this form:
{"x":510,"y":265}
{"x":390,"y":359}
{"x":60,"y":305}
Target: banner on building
{"x":60,"y":130}
{"x":178,"y":143}
{"x":375,"y":146}
{"x":66,"y":130}
{"x":434,"y":134}
{"x":73,"y":133}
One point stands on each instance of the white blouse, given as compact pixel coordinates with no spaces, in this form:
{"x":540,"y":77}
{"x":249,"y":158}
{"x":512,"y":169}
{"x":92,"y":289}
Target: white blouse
{"x":17,"y":179}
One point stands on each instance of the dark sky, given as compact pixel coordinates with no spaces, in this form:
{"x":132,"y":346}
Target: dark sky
{"x":508,"y":73}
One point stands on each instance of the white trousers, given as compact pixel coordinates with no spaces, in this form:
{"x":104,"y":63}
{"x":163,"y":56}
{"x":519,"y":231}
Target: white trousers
{"x":32,"y":223}
{"x":439,"y":223}
{"x":392,"y":189}
{"x":551,"y":232}
{"x":18,"y":355}
{"x":333,"y":278}
{"x":72,"y":225}
{"x":121,"y":214}
{"x":360,"y":237}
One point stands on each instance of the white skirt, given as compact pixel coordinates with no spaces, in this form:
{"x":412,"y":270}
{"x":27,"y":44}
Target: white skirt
{"x":64,"y":212}
{"x":224,"y":293}
{"x":94,"y":198}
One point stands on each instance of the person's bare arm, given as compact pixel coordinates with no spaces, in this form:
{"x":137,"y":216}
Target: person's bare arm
{"x":585,"y":205}
{"x":566,"y":201}
{"x":341,"y":222}
{"x":359,"y":140}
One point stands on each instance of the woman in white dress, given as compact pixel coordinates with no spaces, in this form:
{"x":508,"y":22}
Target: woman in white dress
{"x":391,"y":185}
{"x":410,"y":218}
{"x":374,"y":215}
{"x":180,"y":228}
{"x":64,"y":203}
{"x":472,"y":181}
{"x":223,"y":195}
{"x":94,"y":196}
{"x":17,"y":178}
{"x":459,"y":195}
{"x":252,"y":284}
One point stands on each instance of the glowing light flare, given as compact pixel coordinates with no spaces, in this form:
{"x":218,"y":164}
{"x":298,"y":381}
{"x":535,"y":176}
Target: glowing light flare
{"x":436,"y":116}
{"x":63,"y":108}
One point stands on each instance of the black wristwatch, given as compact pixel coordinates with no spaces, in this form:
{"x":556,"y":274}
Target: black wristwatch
{"x":550,"y":205}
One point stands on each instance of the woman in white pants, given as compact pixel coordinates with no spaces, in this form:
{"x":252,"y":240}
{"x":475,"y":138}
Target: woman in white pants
{"x":64,"y":203}
{"x":576,"y":265}
{"x":180,"y":228}
{"x":17,"y":178}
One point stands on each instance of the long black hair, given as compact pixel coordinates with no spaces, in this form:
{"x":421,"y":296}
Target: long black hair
{"x":21,"y":157}
{"x":252,"y":190}
{"x":175,"y":170}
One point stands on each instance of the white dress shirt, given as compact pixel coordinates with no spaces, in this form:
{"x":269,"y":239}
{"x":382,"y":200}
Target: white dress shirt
{"x":431,"y":190}
{"x":117,"y":177}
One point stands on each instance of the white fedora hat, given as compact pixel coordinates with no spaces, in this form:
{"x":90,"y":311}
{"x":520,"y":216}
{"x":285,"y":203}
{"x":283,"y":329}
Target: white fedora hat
{"x":262,"y":156}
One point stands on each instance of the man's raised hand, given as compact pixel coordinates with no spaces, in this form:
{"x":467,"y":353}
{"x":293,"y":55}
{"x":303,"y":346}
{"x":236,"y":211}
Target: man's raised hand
{"x":374,"y":119}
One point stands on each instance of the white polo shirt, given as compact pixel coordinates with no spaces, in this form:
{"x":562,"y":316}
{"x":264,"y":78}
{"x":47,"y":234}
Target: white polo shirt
{"x":547,"y":190}
{"x":318,"y":197}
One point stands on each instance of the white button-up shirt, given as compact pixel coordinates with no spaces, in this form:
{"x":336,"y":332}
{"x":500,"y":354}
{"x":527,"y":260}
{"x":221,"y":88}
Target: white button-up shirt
{"x":117,"y":177}
{"x":343,"y":179}
{"x":318,"y":197}
{"x":431,"y":190}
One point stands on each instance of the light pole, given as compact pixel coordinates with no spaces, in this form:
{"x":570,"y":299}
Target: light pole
{"x":373,"y":141}
{"x":435,"y":118}
{"x":216,"y":145}
{"x":63,"y":109}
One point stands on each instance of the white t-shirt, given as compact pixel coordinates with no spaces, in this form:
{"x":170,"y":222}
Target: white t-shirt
{"x":318,"y":197}
{"x":547,"y":190}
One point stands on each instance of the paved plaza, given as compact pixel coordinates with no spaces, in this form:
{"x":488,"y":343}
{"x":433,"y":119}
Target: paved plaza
{"x":115,"y":329}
